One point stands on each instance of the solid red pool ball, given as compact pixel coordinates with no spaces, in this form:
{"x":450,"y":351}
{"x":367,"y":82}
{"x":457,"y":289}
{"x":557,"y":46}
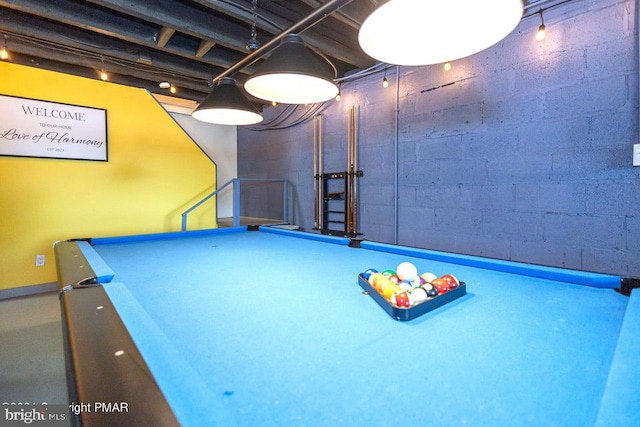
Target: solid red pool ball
{"x":441,"y":285}
{"x":451,"y":280}
{"x":401,"y":299}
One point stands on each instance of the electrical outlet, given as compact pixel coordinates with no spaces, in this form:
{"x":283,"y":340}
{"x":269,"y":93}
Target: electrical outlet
{"x":636,"y":154}
{"x":39,"y":260}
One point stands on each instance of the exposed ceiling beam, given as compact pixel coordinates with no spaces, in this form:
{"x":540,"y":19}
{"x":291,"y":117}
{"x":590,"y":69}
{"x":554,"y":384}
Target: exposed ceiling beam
{"x":205,"y":46}
{"x":80,"y":16}
{"x":241,"y":10}
{"x":164,"y":36}
{"x":90,"y":45}
{"x":191,"y":21}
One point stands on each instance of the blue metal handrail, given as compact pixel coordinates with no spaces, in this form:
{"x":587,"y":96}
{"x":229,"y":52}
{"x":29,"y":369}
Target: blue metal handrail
{"x":236,"y":199}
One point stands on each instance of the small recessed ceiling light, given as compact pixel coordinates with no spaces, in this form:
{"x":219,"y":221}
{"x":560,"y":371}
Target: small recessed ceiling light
{"x":164,"y":85}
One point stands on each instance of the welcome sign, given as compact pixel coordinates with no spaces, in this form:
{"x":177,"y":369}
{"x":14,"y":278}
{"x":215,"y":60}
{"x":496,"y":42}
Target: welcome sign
{"x":32,"y":128}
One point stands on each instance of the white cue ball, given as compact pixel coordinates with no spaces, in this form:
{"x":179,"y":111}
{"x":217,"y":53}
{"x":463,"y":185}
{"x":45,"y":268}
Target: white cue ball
{"x":406,"y":271}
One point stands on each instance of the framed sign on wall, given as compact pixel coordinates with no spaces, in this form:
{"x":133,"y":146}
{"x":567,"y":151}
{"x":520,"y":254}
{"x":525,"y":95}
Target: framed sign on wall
{"x":34,"y":128}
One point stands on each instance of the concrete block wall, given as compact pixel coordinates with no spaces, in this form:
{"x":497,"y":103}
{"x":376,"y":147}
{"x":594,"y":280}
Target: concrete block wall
{"x":520,"y":152}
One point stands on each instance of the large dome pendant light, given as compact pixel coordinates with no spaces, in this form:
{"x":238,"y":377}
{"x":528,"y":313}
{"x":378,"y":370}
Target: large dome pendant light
{"x":227,"y":105}
{"x":293,"y":74}
{"x":419,"y":32}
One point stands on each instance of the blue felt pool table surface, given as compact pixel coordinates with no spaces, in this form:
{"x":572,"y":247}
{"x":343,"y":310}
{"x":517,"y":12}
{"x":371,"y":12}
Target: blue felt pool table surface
{"x":269,"y":328}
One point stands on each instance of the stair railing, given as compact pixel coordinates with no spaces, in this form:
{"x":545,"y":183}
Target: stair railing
{"x":236,"y":183}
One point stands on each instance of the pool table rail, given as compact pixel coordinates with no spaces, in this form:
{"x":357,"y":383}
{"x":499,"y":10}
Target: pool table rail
{"x":97,"y":342}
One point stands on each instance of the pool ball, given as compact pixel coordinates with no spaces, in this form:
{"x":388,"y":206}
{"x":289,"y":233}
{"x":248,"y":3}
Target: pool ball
{"x":406,"y":271}
{"x":368,"y":272}
{"x":375,"y":276}
{"x":388,"y":273}
{"x":418,"y":281}
{"x":380,"y":283}
{"x":395,"y":279}
{"x":429,"y":277}
{"x":451,"y":280}
{"x":401,"y":299}
{"x":418,"y":295}
{"x":430,"y":290}
{"x":406,"y":286}
{"x":441,"y":285}
{"x":389,"y":289}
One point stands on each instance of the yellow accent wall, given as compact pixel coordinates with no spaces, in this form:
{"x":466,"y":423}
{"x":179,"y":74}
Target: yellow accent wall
{"x":155,"y":171}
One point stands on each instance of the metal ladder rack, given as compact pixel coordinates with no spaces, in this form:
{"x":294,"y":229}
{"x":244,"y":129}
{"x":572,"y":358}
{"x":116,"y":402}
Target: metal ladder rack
{"x":332,"y":198}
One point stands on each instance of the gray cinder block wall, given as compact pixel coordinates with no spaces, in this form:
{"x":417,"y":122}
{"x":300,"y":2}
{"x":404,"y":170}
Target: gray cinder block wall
{"x":521,"y":152}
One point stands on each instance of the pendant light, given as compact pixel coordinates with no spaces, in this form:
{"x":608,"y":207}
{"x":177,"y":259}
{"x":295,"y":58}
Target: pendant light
{"x":227,"y":105}
{"x":293,"y":74}
{"x":419,"y":32}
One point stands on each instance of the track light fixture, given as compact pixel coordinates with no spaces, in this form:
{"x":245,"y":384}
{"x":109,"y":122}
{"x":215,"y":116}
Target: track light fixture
{"x":419,"y":32}
{"x":542,"y":30}
{"x":227,"y":105}
{"x":293,"y":74}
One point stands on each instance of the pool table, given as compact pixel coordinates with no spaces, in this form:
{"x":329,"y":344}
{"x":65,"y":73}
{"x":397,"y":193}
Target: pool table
{"x":265,"y":326}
